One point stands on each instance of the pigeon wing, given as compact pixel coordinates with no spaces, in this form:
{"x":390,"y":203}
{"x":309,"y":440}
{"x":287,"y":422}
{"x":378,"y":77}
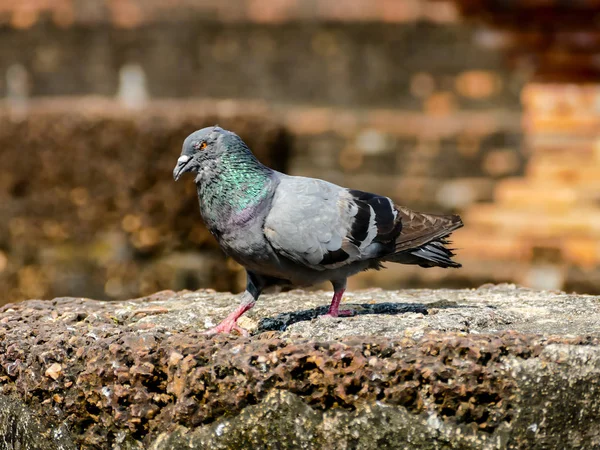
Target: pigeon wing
{"x":324,"y":226}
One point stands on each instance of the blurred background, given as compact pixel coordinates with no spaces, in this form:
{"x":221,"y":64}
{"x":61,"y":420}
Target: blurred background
{"x":488,"y":108}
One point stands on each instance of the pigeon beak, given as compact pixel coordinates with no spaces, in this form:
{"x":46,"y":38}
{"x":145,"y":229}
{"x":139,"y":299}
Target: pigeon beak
{"x":182,"y":166}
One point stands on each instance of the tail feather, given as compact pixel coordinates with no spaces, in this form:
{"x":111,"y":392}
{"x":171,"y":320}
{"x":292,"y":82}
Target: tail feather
{"x":422,"y":240}
{"x":419,"y":229}
{"x":435,"y":254}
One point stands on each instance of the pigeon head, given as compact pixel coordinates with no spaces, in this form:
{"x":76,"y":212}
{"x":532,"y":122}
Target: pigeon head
{"x":203,"y":149}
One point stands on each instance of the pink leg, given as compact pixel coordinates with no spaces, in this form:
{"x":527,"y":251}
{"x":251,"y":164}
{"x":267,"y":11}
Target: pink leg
{"x":230,"y":322}
{"x":335,"y":304}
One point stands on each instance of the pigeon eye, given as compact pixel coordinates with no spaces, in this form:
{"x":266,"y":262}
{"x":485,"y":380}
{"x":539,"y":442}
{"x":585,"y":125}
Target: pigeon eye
{"x":200,"y":145}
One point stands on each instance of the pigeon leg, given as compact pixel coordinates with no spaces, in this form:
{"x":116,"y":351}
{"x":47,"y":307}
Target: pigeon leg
{"x":229,"y":324}
{"x":338,"y":291}
{"x":249,"y":297}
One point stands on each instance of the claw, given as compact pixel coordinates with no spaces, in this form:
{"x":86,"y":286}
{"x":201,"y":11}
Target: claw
{"x":341,"y":313}
{"x":227,"y":326}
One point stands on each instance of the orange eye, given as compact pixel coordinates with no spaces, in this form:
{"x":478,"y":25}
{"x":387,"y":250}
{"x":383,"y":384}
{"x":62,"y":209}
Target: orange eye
{"x":199,"y":145}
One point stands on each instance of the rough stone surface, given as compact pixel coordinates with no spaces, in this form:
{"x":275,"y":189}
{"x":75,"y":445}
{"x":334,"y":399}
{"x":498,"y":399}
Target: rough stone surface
{"x":20,"y":428}
{"x":496,"y":367}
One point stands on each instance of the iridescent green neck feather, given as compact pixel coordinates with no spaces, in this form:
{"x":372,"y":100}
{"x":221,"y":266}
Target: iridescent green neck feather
{"x":231,"y":186}
{"x":243,"y":179}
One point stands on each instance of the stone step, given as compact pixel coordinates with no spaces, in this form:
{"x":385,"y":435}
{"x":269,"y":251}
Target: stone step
{"x":546,"y":146}
{"x":561,"y":99}
{"x":545,"y":195}
{"x":482,"y":246}
{"x":561,"y":144}
{"x":577,"y":123}
{"x":576,"y":222}
{"x":572,"y":173}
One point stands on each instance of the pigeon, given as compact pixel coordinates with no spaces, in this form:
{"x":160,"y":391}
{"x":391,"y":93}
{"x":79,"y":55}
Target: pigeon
{"x":295,"y":231}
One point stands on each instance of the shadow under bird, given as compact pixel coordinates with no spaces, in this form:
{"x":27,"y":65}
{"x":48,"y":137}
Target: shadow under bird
{"x":296,"y":231}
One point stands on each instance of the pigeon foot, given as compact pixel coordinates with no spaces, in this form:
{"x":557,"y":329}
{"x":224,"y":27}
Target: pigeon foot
{"x":341,"y":313}
{"x":335,"y":304}
{"x":227,"y":326}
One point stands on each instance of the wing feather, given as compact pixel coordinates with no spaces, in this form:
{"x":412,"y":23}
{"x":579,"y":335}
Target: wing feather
{"x":324,"y":226}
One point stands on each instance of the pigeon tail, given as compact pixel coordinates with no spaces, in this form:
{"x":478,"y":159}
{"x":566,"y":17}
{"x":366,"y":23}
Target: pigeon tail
{"x":436,"y":254}
{"x":423,"y":239}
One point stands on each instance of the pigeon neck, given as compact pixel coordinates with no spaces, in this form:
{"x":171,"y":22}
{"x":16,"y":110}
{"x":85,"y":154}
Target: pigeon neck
{"x":237,"y":183}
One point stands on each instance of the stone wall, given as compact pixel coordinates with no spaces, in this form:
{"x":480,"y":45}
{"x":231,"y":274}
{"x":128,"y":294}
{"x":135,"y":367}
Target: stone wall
{"x":22,"y":14}
{"x":412,"y":109}
{"x":541,"y":228}
{"x":89,"y":205}
{"x":400,"y":101}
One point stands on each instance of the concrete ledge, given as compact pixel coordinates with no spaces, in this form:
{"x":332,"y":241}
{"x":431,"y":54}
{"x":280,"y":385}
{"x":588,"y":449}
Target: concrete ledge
{"x":495,"y":367}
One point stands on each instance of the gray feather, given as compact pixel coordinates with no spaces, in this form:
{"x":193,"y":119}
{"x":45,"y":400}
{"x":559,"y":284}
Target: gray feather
{"x":308,"y":219}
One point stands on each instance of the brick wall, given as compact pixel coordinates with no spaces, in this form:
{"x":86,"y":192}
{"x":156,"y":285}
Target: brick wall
{"x":544,"y":226}
{"x":23,"y":14}
{"x":413,"y":109}
{"x":397,"y":98}
{"x":88,"y":202}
